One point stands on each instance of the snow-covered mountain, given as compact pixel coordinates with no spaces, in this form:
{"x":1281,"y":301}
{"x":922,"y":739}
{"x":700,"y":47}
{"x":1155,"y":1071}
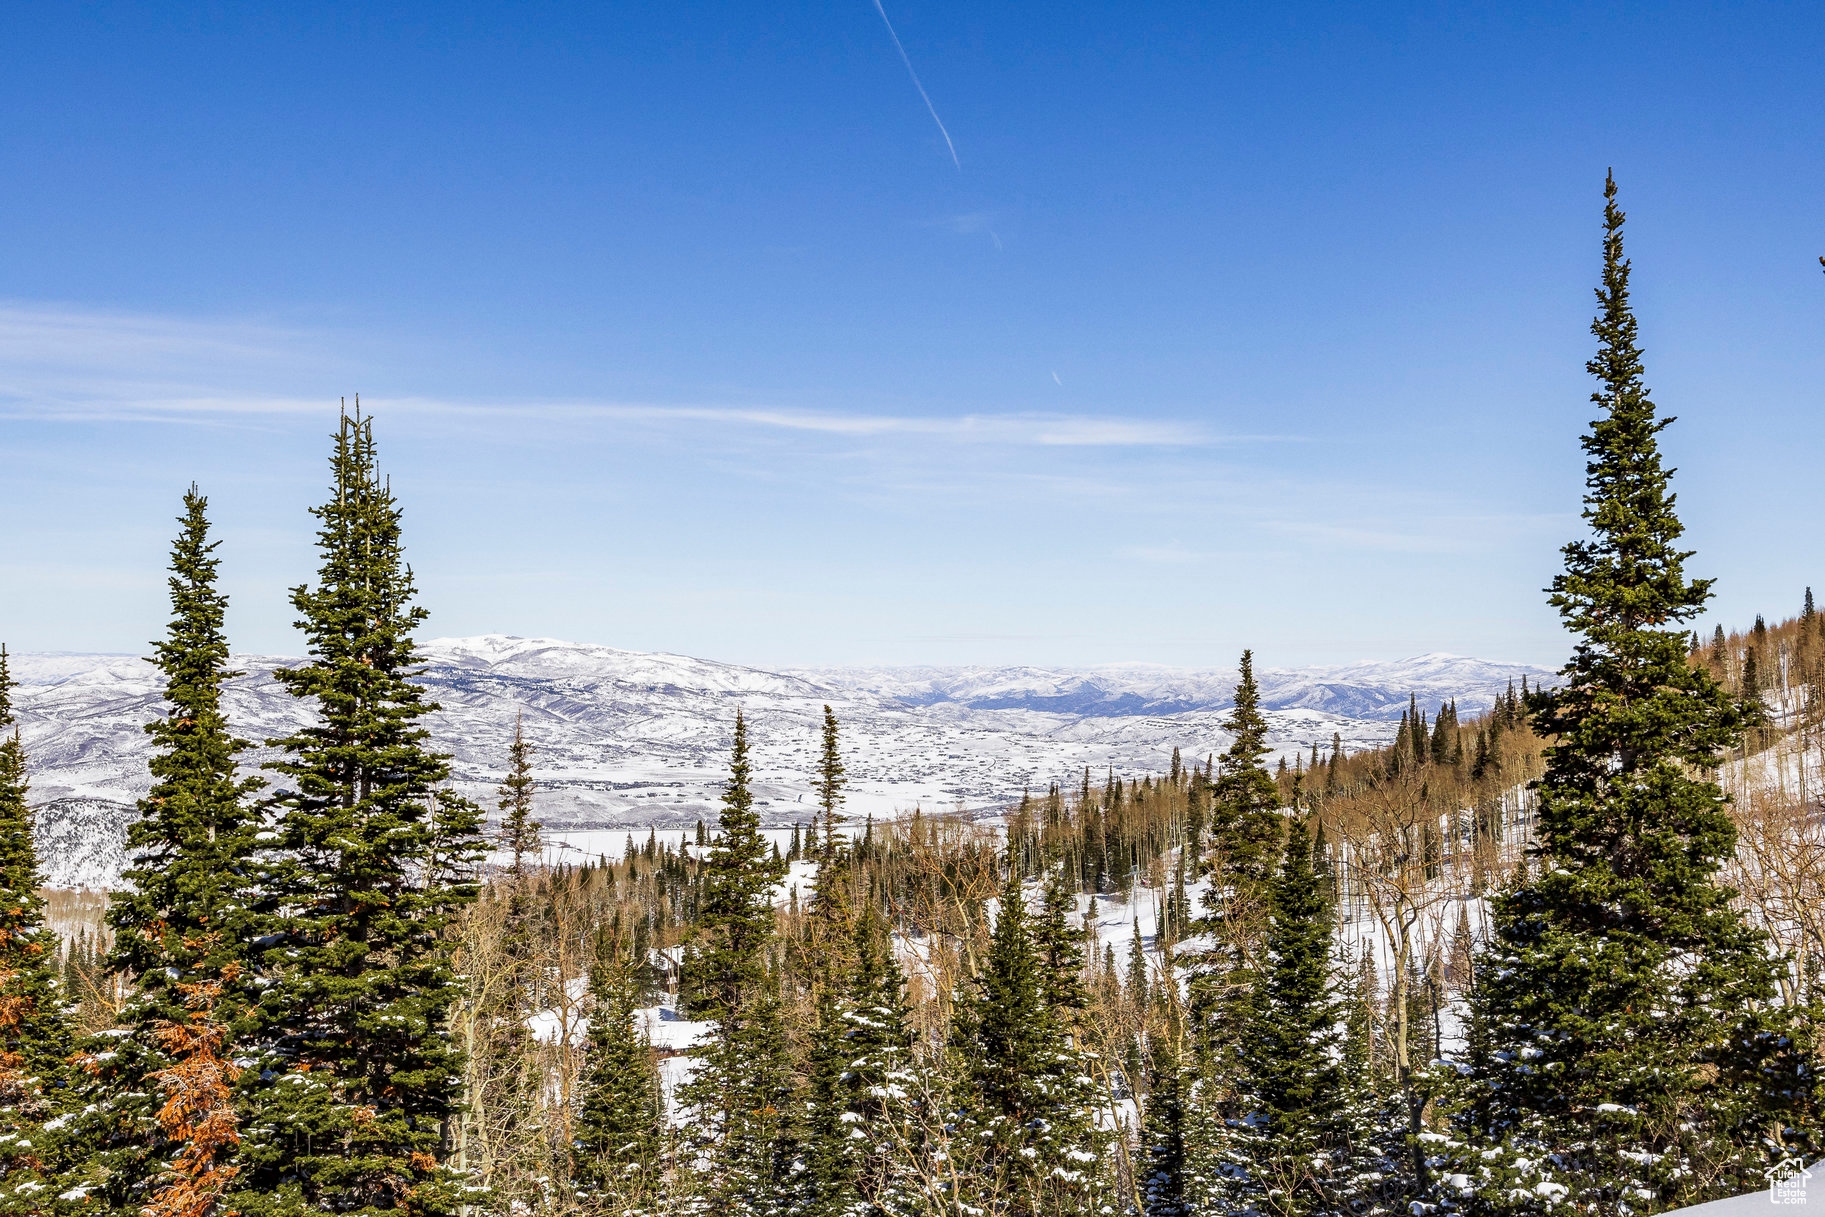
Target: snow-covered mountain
{"x":632,"y":739}
{"x":1377,"y":690}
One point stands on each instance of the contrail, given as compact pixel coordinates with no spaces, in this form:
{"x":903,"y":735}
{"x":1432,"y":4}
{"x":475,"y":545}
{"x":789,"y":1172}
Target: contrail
{"x":915,"y":79}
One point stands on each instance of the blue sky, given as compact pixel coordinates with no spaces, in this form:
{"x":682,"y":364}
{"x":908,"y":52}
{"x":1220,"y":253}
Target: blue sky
{"x":1226,"y":325}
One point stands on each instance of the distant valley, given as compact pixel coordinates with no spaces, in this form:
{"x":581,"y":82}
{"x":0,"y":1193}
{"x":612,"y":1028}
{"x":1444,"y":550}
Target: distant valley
{"x":629,"y":739}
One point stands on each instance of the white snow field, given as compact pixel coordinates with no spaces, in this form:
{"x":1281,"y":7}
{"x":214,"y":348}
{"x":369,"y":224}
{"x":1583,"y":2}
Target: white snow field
{"x":1801,"y":1191}
{"x":627,"y":740}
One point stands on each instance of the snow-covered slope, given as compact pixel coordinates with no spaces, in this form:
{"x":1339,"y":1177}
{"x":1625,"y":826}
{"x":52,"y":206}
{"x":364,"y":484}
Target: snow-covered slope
{"x":1376,"y":690}
{"x":626,"y":738}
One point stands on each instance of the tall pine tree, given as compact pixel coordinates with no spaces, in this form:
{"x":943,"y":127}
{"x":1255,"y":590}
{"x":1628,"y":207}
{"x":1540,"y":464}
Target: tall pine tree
{"x":830,"y":903}
{"x":1633,"y":1056}
{"x":738,"y":1104}
{"x":184,"y":923}
{"x":519,"y":832}
{"x":355,"y":1078}
{"x":1245,"y":831}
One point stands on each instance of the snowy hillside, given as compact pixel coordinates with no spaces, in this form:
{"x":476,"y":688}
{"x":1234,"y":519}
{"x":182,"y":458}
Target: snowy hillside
{"x":632,"y":739}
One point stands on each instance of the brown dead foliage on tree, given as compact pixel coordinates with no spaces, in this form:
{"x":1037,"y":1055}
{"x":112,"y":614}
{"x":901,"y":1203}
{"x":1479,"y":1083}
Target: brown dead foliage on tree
{"x":198,"y":1112}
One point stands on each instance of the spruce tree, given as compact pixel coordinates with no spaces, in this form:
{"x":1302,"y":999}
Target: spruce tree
{"x":1059,"y":942}
{"x":35,"y":1034}
{"x":1371,"y":1165}
{"x":184,"y":922}
{"x":355,"y":1077}
{"x":1166,"y":1122}
{"x":615,"y":1158}
{"x":1073,"y":1139}
{"x":881,"y":1076}
{"x":519,"y":832}
{"x":830,"y":903}
{"x":1000,"y":1036}
{"x":1004,"y":1020}
{"x":1245,"y":828}
{"x":1290,"y":1053}
{"x":862,"y":1142}
{"x":1029,"y":1112}
{"x":1634,"y":1057}
{"x":738,"y":1103}
{"x":832,"y":1159}
{"x":1139,"y":990}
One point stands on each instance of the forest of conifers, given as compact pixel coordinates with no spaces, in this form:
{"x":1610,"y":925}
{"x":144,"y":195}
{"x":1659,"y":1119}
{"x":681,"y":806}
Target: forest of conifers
{"x":1563,"y":955}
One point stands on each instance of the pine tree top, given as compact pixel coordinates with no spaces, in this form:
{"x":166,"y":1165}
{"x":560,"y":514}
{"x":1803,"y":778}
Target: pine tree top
{"x":1246,"y":725}
{"x":738,"y":874}
{"x":1631,"y":696}
{"x":189,"y":902}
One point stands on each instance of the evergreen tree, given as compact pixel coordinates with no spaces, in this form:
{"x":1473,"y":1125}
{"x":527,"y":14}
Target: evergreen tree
{"x":184,"y":921}
{"x":35,"y":1034}
{"x":1422,"y":750}
{"x":1245,"y":837}
{"x":882,"y":1072}
{"x":1165,"y":1122}
{"x":831,"y":901}
{"x":1635,"y":1058}
{"x":355,"y":1077}
{"x":616,"y":1156}
{"x":738,"y":1101}
{"x":1138,"y":986}
{"x":1444,"y":749}
{"x":519,"y":832}
{"x":863,"y":1143}
{"x":1002,"y":1025}
{"x":1755,"y":710}
{"x":832,"y":1158}
{"x":1059,"y":943}
{"x":1290,"y":1054}
{"x":1030,"y":1112}
{"x":1370,"y":1165}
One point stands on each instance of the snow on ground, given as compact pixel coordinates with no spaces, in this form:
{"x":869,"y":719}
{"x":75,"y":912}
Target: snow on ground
{"x":1798,"y":1192}
{"x":664,"y":1028}
{"x":668,"y":1031}
{"x":799,"y":883}
{"x":670,"y":1034}
{"x":624,"y":739}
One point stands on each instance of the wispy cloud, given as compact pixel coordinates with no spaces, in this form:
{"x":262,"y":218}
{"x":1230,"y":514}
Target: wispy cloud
{"x":65,"y":362}
{"x":59,"y":363}
{"x":1170,"y":554}
{"x":39,"y":334}
{"x":923,"y":95}
{"x":1036,"y":430}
